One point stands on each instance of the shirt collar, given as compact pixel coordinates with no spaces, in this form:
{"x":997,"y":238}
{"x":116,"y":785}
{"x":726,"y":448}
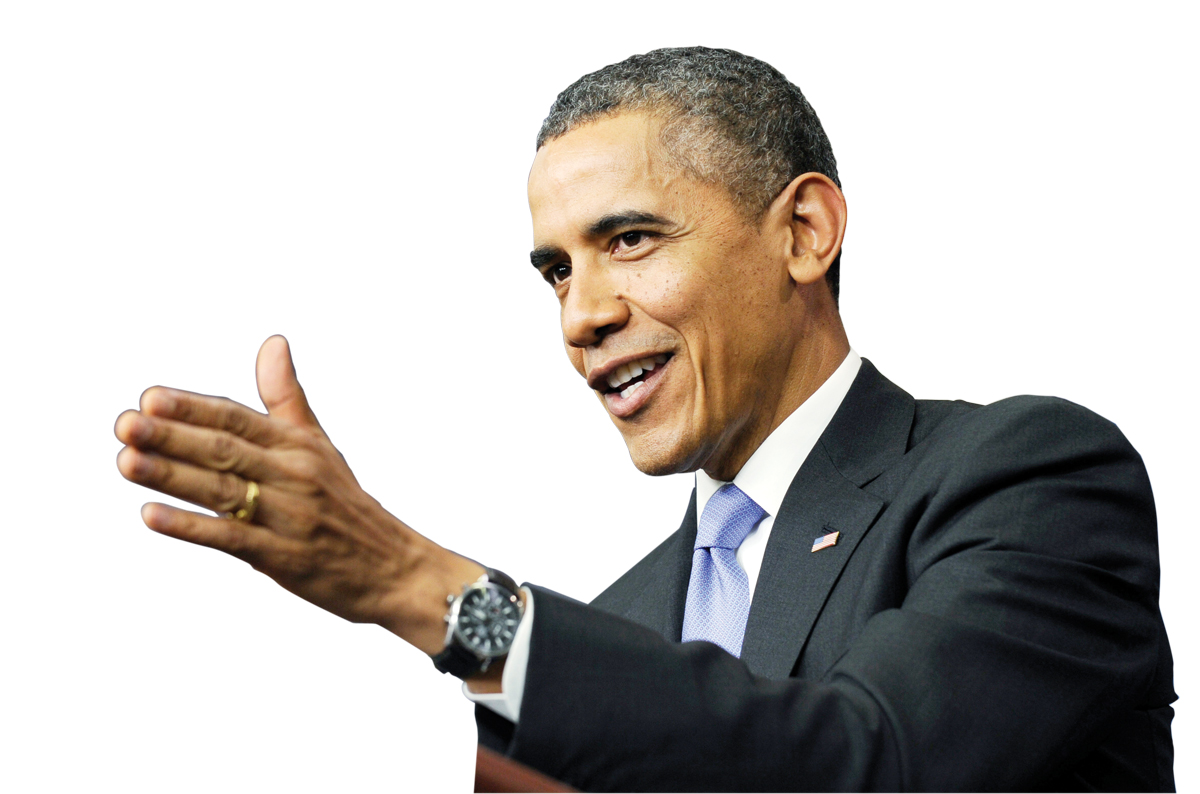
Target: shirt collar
{"x":765,"y":477}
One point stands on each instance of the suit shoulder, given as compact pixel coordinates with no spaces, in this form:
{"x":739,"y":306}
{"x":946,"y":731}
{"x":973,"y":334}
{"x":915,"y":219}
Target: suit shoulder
{"x":929,"y":415}
{"x":1029,"y":460}
{"x":1022,"y":452}
{"x":1033,"y":424}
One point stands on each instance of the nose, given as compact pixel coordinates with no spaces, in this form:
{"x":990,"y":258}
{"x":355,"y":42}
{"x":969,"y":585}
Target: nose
{"x":594,"y":306}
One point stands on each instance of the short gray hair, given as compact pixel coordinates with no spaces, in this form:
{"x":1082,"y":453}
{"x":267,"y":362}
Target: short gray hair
{"x":727,"y":118}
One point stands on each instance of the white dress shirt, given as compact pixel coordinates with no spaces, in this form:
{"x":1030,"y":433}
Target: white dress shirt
{"x":765,"y":478}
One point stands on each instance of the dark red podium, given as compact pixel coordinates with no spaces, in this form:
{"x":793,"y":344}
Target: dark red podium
{"x":494,"y":772}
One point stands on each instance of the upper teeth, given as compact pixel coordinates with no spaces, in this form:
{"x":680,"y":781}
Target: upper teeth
{"x":627,"y":372}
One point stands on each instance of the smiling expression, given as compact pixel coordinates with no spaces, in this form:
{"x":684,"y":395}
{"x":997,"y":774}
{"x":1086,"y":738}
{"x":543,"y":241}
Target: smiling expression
{"x":676,"y":308}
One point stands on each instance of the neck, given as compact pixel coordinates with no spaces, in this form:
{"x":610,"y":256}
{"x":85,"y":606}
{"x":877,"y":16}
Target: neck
{"x":821,"y":350}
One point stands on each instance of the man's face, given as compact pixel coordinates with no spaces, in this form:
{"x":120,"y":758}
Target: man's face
{"x":675,"y":307}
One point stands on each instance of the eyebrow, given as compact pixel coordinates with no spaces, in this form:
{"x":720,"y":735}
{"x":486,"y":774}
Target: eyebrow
{"x":612,"y":222}
{"x":607,"y":224}
{"x":544,"y":255}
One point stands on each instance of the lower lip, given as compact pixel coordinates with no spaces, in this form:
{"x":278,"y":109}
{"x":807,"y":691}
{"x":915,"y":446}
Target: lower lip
{"x":622,"y":407}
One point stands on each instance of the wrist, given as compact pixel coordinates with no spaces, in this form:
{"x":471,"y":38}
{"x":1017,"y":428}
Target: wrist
{"x":419,"y":611}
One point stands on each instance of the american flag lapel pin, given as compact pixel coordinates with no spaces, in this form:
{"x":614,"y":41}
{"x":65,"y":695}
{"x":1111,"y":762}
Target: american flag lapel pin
{"x":825,"y":541}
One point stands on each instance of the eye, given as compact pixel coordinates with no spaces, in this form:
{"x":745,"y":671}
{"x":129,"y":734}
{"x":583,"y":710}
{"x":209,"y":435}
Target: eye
{"x":556,"y":274}
{"x":630,"y":239}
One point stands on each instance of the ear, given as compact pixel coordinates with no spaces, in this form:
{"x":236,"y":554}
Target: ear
{"x":811,"y":211}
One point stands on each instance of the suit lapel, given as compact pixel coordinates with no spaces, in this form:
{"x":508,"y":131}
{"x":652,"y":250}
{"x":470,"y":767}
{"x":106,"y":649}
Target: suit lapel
{"x":795,"y":581}
{"x":868,"y":433}
{"x":660,"y":604}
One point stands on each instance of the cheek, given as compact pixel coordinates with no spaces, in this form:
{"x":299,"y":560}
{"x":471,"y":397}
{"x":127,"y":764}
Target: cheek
{"x":575,"y":355}
{"x":665,"y":298}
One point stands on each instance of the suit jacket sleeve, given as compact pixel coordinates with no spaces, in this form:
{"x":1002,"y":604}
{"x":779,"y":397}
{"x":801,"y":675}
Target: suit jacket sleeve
{"x":1025,"y":624}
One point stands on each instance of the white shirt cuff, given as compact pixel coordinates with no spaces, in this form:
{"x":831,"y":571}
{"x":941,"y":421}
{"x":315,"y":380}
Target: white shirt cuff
{"x":507,"y":702}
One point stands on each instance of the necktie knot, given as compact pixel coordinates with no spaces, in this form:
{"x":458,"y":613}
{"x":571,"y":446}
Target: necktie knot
{"x":727,"y":519}
{"x":718,"y":600}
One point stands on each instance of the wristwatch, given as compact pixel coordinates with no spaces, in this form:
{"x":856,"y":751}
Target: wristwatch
{"x":482,"y":624}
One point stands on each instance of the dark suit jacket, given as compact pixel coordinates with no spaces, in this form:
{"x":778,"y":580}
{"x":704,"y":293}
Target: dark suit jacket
{"x":987,"y":620}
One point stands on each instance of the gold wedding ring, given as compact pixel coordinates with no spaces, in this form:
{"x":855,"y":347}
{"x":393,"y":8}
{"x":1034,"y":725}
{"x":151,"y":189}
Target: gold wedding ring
{"x":246,"y":513}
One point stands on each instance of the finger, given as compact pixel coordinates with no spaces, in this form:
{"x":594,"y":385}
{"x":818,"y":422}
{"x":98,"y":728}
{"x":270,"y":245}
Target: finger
{"x":244,"y":541}
{"x":215,"y":412}
{"x":278,"y":386}
{"x":206,"y":447}
{"x":220,"y":492}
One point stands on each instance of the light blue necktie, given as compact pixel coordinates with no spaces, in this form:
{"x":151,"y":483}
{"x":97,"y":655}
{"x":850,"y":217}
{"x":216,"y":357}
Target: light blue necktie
{"x":718,"y":599}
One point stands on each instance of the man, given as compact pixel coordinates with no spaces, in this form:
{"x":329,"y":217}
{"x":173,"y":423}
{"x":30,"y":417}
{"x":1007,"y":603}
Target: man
{"x":866,"y":592}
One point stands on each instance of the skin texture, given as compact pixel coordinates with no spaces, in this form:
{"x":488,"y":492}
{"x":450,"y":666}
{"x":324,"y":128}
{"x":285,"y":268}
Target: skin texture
{"x":740,"y":305}
{"x":316,"y":531}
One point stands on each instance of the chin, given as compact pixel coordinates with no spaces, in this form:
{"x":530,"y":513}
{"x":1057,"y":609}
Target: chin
{"x":656,"y":467}
{"x":659,"y":457}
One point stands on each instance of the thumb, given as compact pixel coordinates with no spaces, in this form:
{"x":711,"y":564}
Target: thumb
{"x":277,"y":384}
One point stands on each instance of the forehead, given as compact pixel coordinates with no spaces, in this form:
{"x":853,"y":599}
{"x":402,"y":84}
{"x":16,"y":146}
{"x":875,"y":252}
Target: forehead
{"x":613,"y":164}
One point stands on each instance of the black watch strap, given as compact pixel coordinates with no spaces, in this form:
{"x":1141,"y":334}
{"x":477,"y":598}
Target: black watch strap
{"x":502,"y":579}
{"x":458,"y":660}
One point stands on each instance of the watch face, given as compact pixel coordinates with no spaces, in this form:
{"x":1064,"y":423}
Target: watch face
{"x":487,"y":620}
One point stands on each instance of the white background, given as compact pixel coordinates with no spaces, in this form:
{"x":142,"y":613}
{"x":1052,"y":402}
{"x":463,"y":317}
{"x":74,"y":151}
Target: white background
{"x":177,"y":182}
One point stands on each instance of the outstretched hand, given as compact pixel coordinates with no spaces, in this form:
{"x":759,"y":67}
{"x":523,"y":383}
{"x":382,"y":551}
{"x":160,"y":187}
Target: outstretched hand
{"x":314,"y":530}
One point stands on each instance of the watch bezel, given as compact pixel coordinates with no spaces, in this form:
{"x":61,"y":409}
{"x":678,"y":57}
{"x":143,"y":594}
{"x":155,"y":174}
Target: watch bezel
{"x":456,"y":621}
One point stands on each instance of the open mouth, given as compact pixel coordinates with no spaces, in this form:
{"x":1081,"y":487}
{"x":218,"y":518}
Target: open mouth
{"x":627,"y":379}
